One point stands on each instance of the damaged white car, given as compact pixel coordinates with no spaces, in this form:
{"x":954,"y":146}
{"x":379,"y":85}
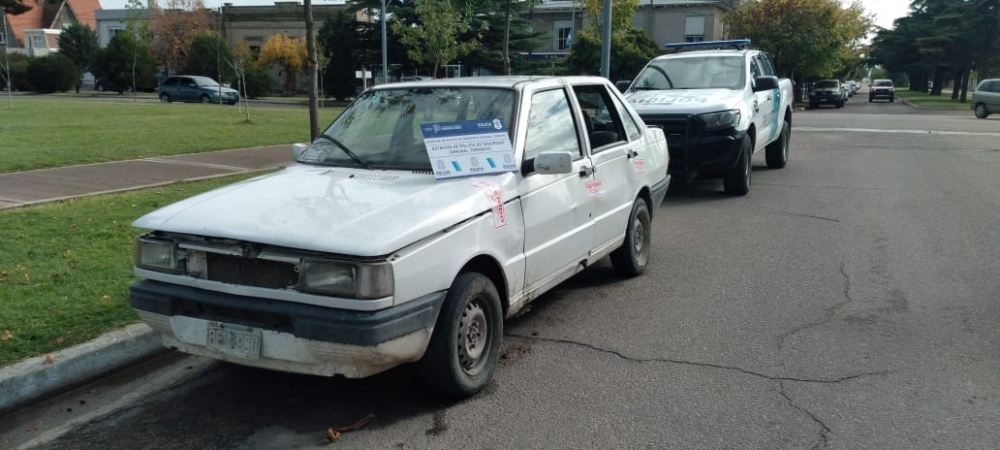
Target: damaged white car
{"x":426,"y":214}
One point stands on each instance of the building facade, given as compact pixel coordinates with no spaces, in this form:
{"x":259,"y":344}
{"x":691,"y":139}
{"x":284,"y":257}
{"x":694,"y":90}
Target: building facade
{"x":36,"y":31}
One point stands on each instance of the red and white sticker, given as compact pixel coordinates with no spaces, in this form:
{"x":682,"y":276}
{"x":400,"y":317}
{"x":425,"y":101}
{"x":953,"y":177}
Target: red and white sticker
{"x":595,"y":188}
{"x":639,"y":165}
{"x":495,"y":198}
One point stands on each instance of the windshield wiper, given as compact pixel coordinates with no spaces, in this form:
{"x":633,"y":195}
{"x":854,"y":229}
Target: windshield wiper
{"x":346,"y":150}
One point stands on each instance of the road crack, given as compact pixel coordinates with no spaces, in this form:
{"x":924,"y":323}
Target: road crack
{"x":828,"y":313}
{"x":699,"y":364}
{"x":824,"y":433}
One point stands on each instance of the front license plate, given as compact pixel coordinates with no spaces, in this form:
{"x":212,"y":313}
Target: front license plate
{"x":234,"y":339}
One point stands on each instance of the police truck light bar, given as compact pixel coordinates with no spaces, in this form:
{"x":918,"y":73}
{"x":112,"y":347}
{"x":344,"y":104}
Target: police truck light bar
{"x":736,"y":44}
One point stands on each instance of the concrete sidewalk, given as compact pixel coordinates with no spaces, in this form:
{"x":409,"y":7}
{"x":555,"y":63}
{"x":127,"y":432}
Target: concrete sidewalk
{"x":36,"y":378}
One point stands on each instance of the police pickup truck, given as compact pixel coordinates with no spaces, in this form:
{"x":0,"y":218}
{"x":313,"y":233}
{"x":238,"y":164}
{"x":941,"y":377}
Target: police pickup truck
{"x":719,"y":103}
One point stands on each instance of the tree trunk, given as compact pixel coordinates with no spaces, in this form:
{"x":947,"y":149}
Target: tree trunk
{"x":957,"y":84}
{"x":311,"y":65}
{"x":938,"y":80}
{"x":965,"y":85}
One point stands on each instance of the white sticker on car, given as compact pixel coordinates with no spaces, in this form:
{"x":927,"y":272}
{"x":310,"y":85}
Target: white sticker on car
{"x":595,"y":188}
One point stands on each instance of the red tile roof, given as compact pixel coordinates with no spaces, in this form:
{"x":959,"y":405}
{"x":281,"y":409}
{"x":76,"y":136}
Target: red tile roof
{"x":41,"y":16}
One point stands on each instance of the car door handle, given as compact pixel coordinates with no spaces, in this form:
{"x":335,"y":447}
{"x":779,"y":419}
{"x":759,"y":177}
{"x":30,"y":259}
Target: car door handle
{"x":586,"y":171}
{"x":632,"y":154}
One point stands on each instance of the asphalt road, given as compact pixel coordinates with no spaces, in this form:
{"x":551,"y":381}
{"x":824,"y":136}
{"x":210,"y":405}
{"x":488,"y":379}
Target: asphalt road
{"x":849,"y":302}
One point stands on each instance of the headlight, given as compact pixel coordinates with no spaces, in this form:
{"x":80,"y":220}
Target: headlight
{"x":156,"y":255}
{"x":346,"y":279}
{"x":721,"y":119}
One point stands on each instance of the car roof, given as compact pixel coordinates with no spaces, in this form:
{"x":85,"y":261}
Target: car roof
{"x":499,"y":81}
{"x":703,"y":53}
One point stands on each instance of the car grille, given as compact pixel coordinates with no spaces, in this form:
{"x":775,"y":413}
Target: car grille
{"x":250,"y":272}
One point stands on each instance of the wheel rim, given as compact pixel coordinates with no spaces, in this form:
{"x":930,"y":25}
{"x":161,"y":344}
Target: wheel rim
{"x":205,"y":100}
{"x":638,"y":240}
{"x":981,"y":109}
{"x":473,"y":336}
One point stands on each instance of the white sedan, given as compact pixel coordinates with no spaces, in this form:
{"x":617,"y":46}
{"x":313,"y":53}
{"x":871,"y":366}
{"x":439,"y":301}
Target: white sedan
{"x":426,"y":214}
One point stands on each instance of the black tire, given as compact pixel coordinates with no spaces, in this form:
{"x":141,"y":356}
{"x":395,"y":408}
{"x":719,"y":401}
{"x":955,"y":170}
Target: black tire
{"x":737,"y":180}
{"x":839,"y":105}
{"x":631,"y":258}
{"x":813,"y":106}
{"x":206,"y":99}
{"x":461,"y":356}
{"x":871,"y":99}
{"x":164,"y":98}
{"x":981,"y":111}
{"x":892,"y":99}
{"x":777,"y":151}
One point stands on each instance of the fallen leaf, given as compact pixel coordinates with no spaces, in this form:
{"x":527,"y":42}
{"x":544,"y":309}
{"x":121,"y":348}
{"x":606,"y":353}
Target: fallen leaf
{"x":6,"y":336}
{"x":333,"y":434}
{"x":49,"y":359}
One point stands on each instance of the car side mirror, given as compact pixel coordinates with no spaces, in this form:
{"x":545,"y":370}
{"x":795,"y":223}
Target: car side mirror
{"x":553,"y":163}
{"x":298,"y":149}
{"x":765,"y":83}
{"x":623,"y":85}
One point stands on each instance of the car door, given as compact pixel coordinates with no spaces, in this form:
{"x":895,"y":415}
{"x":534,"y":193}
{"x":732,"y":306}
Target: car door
{"x":763,"y":106}
{"x":993,"y":95}
{"x":612,"y":153}
{"x":187,"y":90}
{"x":557,"y":211}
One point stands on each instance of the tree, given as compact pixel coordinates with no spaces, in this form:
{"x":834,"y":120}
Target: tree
{"x":350,"y":45}
{"x":175,"y":24}
{"x":287,"y":52}
{"x":506,"y":29}
{"x":631,"y":48}
{"x":15,"y":7}
{"x":126,"y":63}
{"x":806,"y":38}
{"x":139,"y":44}
{"x":209,"y":55}
{"x":434,"y":40}
{"x":79,"y":43}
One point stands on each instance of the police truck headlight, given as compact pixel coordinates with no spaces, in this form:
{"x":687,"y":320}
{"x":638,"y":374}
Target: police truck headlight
{"x":721,"y":119}
{"x":346,"y":278}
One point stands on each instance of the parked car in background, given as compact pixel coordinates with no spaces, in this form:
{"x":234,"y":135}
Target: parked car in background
{"x":827,"y":92}
{"x":193,"y":88}
{"x":986,"y":98}
{"x":882,"y":88}
{"x":426,"y":214}
{"x":853,"y":85}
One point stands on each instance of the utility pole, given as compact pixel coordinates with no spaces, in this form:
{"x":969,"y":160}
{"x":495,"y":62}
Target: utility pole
{"x":385,"y":56}
{"x":606,"y":42}
{"x":6,"y":66}
{"x":311,"y":64}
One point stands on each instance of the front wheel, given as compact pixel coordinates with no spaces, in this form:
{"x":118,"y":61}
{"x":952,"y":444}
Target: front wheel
{"x":777,"y":151}
{"x":164,"y":98}
{"x":206,"y":99}
{"x":463,"y":351}
{"x":631,"y":258}
{"x":737,"y":180}
{"x":981,"y":111}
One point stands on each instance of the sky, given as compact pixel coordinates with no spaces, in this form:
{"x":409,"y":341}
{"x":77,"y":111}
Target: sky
{"x":885,"y":10}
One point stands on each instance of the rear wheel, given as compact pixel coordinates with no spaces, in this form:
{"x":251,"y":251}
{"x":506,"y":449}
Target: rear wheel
{"x":777,"y":151}
{"x":981,"y":111}
{"x":164,"y":98}
{"x":205,"y":99}
{"x":631,"y":258}
{"x":737,"y":180}
{"x":463,"y":351}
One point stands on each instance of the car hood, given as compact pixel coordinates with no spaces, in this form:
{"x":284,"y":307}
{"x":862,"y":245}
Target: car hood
{"x":336,"y":210}
{"x":688,"y":101}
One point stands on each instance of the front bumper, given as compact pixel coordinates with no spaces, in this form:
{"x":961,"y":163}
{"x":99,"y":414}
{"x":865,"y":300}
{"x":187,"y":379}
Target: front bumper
{"x":292,"y":337}
{"x":824,"y":98}
{"x":882,"y":94}
{"x":693,"y":151}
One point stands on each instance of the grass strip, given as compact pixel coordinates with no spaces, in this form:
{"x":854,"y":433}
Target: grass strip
{"x":65,"y":267}
{"x":54,"y":131}
{"x":927,"y":101}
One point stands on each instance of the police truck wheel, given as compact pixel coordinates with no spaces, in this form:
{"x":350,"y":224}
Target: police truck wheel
{"x":777,"y":151}
{"x":737,"y":180}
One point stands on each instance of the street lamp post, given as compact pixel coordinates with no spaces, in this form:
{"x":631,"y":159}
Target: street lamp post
{"x":606,"y":42}
{"x":6,"y":66}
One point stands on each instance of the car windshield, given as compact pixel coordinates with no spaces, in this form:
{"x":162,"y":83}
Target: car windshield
{"x":381,"y":129}
{"x":826,"y":84}
{"x":701,"y":72}
{"x":883,"y":83}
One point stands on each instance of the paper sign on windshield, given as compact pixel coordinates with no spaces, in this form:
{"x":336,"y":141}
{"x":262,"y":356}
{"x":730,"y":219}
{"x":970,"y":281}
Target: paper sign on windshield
{"x":468,"y":147}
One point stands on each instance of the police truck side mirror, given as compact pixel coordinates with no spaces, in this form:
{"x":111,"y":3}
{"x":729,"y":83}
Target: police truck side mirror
{"x":765,"y":83}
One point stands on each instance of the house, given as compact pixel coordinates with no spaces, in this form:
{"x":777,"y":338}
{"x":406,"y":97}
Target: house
{"x":664,"y":20}
{"x":110,"y":22}
{"x":36,"y":32}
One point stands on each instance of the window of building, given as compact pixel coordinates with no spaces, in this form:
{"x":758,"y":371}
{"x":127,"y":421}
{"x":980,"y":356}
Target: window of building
{"x":115,"y":31}
{"x":38,"y":41}
{"x":694,"y":28}
{"x":563,"y":29}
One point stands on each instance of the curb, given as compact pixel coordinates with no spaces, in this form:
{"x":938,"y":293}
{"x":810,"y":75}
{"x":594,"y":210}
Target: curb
{"x":34,"y":378}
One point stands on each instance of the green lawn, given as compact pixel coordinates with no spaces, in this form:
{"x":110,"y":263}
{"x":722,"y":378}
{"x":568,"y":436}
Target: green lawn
{"x":54,"y":131}
{"x":927,"y":101}
{"x":65,"y":267}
